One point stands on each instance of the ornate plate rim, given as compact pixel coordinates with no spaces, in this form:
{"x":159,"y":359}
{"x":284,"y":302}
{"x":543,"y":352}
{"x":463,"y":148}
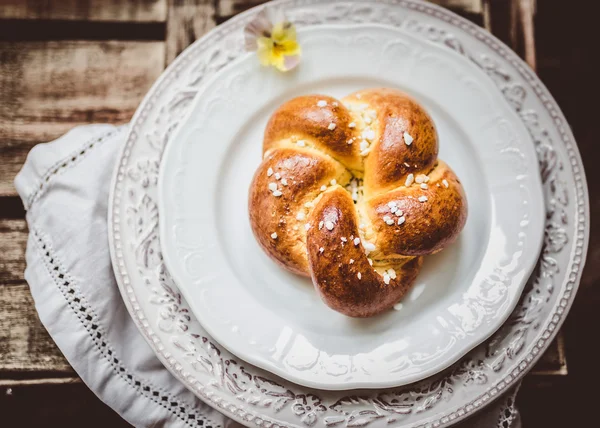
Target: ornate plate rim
{"x":574,"y":266}
{"x":494,"y":317}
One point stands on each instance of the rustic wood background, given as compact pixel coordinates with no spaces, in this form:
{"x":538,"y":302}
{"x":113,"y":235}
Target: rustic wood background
{"x":69,"y":62}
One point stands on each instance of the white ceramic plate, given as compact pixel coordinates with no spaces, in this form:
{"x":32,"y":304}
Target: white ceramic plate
{"x":274,"y":319}
{"x":257,"y":398}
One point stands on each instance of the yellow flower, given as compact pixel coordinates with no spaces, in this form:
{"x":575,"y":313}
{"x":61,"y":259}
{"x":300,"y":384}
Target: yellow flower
{"x":275,"y":44}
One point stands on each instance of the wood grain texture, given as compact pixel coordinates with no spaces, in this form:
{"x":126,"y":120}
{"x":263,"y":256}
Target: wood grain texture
{"x":88,"y":10}
{"x":526,"y":10}
{"x":47,"y":88}
{"x":228,"y":8}
{"x":13,"y":237}
{"x":187,"y":20}
{"x":9,"y":383}
{"x":513,"y":22}
{"x":25,"y":345}
{"x":469,"y":6}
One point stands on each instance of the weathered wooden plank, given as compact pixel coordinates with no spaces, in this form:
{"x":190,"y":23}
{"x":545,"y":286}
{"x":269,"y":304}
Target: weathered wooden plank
{"x":526,"y":11}
{"x":25,"y":345}
{"x":10,"y":383}
{"x":13,"y":237}
{"x":187,"y":20}
{"x":47,"y":88}
{"x":87,"y":10}
{"x":468,"y":6}
{"x":228,"y":8}
{"x":513,"y":23}
{"x":486,"y":11}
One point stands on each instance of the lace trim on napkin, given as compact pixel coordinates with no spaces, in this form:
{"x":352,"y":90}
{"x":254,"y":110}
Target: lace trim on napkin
{"x":509,"y":414}
{"x":82,"y":309}
{"x":69,"y":161}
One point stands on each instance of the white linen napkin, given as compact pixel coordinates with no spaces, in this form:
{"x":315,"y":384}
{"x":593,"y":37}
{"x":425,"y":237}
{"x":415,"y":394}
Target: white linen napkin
{"x":64,"y":186}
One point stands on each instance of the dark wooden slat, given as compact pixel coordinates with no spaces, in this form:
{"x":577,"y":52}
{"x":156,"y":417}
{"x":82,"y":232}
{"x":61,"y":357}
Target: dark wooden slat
{"x":63,"y":405}
{"x":11,"y":207}
{"x":568,"y":65}
{"x":513,"y":23}
{"x":86,"y":10}
{"x":21,"y":30}
{"x":187,"y":20}
{"x":500,"y":24}
{"x":47,"y":88}
{"x":539,"y":399}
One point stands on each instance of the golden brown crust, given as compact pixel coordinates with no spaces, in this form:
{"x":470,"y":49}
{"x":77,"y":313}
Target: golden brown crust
{"x":340,"y":269}
{"x":391,"y":159}
{"x":429,"y":226}
{"x":303,"y":119}
{"x":412,"y":204}
{"x":303,"y":172}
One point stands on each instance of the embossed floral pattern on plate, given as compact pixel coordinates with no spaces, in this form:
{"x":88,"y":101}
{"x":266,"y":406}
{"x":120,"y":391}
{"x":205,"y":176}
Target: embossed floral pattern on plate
{"x":271,"y":319}
{"x":255,"y":397}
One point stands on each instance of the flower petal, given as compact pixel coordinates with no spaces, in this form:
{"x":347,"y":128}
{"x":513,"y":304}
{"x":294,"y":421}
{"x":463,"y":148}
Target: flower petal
{"x":266,"y":51}
{"x":291,"y":62}
{"x":276,"y":44}
{"x":283,"y":31}
{"x":289,"y":47}
{"x":260,"y":26}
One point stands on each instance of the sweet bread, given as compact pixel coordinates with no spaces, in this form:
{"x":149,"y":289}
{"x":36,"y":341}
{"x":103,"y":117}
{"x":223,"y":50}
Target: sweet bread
{"x":351,"y":193}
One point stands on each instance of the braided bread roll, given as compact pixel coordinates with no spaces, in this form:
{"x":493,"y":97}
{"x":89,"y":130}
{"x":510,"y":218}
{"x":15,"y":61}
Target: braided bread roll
{"x":362,"y":245}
